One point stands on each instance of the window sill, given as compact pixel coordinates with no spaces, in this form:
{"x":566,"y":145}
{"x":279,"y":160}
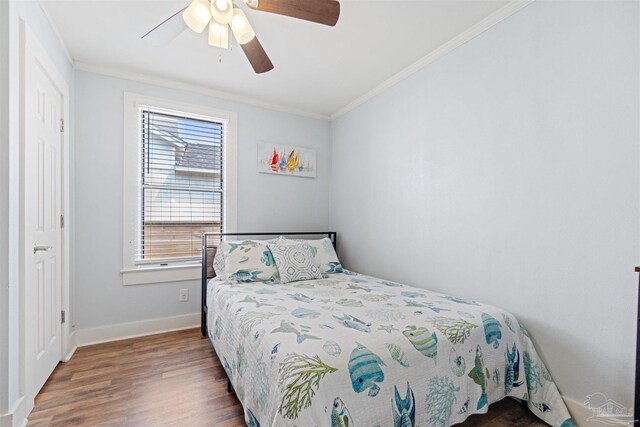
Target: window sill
{"x":170,"y":273}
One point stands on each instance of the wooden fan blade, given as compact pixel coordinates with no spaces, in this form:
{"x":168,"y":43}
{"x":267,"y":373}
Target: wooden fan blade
{"x":167,"y":30}
{"x":324,"y":12}
{"x":257,"y":56}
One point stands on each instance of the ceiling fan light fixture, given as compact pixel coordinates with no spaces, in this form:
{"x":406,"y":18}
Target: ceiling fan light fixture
{"x":241,"y":28}
{"x":222,"y":11}
{"x":222,"y":5}
{"x":197,"y":15}
{"x":252,"y":3}
{"x":219,"y":35}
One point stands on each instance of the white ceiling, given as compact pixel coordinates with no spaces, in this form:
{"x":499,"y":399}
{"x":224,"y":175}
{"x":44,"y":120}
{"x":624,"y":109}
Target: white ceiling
{"x":318,"y":69}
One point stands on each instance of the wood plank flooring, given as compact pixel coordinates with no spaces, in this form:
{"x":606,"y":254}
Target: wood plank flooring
{"x":172,"y":379}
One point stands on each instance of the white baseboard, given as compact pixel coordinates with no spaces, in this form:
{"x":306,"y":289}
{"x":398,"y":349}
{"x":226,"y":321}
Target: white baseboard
{"x":581,"y":416}
{"x":135,"y":329}
{"x":17,"y":415}
{"x":10,"y":420}
{"x":71,"y":347}
{"x":6,"y":420}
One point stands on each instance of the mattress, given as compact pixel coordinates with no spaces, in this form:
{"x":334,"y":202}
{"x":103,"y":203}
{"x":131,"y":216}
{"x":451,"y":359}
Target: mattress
{"x":351,"y":349}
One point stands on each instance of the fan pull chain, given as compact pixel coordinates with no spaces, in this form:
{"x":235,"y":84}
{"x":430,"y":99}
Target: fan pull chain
{"x":220,"y":58}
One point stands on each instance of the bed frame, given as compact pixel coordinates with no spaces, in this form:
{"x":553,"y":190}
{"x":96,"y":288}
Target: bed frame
{"x":210,"y":243}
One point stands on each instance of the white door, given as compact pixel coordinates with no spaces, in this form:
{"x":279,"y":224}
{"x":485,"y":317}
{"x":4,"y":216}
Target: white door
{"x":42,"y":227}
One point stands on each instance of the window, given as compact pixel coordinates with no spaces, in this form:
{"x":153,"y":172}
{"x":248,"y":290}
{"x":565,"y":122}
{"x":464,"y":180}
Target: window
{"x":177,"y":174}
{"x":181,"y":185}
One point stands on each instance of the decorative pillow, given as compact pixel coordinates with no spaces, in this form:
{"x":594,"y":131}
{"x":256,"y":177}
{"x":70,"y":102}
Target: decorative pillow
{"x":323,"y":253}
{"x":219,"y":260}
{"x":295,"y":261}
{"x":246,"y":261}
{"x":218,"y":264}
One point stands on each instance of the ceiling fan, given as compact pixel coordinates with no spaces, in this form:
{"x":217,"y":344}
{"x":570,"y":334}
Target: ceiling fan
{"x":223,"y":15}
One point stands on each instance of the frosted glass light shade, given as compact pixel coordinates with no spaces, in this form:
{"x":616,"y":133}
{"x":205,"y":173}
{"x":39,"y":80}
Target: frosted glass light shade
{"x":222,"y":11}
{"x":197,"y":15}
{"x":219,"y":35}
{"x":241,"y":28}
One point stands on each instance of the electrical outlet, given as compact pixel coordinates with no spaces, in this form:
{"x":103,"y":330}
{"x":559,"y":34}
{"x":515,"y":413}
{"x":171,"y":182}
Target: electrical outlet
{"x":184,"y":295}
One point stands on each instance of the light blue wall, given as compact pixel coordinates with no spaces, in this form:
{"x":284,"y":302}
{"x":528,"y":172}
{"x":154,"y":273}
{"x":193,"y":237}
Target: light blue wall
{"x":265,"y":202}
{"x":508,"y":172}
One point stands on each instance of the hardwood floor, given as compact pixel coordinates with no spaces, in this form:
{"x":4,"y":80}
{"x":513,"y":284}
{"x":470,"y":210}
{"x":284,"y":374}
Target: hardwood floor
{"x":172,"y":379}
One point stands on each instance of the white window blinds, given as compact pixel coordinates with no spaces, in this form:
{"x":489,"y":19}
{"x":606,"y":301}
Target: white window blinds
{"x":181,"y":190}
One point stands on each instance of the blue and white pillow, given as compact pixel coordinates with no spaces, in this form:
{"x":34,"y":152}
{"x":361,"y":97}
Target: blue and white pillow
{"x":295,"y":261}
{"x":245,"y":261}
{"x":325,"y":255}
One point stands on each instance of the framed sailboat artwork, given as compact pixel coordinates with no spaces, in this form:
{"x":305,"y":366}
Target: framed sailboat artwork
{"x":286,"y":160}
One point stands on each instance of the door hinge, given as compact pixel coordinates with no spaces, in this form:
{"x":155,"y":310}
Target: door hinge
{"x":61,"y":221}
{"x":63,"y":316}
{"x":61,"y":125}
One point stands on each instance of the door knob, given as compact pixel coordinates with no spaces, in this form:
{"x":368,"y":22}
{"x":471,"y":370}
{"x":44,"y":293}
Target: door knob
{"x":37,"y":248}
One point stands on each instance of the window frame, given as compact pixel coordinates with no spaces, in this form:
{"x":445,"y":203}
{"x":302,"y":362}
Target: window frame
{"x":134,"y":273}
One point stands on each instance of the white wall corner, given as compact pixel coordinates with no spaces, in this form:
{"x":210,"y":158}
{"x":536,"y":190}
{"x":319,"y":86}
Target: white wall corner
{"x":123,"y":331}
{"x":54,"y":28}
{"x":468,"y":34}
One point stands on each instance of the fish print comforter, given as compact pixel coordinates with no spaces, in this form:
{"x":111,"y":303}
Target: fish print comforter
{"x":352,"y":350}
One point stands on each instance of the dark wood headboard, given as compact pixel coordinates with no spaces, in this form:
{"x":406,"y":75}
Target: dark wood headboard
{"x":210,"y":243}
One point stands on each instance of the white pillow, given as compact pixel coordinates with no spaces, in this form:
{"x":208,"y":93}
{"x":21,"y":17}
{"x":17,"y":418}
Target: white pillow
{"x":323,"y":253}
{"x":295,"y":261}
{"x":218,"y":264}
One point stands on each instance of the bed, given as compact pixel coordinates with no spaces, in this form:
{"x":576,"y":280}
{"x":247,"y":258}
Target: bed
{"x":349,"y":349}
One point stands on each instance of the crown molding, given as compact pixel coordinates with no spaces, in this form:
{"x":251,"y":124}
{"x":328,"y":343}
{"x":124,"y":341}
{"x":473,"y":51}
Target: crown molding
{"x":189,"y":87}
{"x":470,"y":33}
